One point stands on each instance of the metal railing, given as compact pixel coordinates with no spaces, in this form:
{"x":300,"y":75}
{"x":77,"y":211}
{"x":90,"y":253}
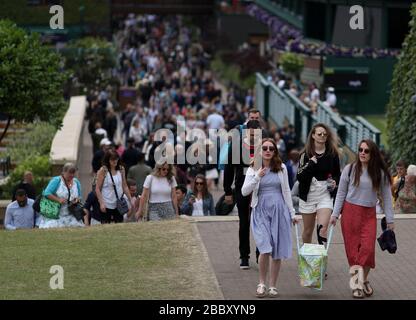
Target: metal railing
{"x":302,"y":121}
{"x":282,"y":106}
{"x":281,"y":109}
{"x":262,"y":87}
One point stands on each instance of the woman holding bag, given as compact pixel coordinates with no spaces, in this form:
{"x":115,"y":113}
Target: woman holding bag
{"x":272,"y":214}
{"x":159,"y":193}
{"x":111,"y":187}
{"x":360,"y":183}
{"x":57,"y":191}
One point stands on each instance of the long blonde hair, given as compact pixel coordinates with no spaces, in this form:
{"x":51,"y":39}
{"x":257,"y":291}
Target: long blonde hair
{"x":171,"y":171}
{"x":331,"y":145}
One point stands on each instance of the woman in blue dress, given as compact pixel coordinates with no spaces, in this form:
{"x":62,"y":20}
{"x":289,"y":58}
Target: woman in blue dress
{"x":272,"y":214}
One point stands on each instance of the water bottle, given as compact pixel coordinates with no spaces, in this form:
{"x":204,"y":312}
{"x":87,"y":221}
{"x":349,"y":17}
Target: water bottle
{"x":329,"y":183}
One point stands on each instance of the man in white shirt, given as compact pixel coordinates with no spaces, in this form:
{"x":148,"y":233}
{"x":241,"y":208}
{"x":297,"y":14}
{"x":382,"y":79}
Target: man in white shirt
{"x":315,"y":95}
{"x":20,"y":213}
{"x":331,"y":98}
{"x":215,"y":120}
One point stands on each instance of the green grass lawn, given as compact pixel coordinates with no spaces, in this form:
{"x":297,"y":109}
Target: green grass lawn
{"x":380,"y":122}
{"x":154,"y":260}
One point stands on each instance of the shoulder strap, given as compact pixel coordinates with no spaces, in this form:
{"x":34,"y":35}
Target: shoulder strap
{"x":114,"y":185}
{"x":349,"y":171}
{"x":69,"y":191}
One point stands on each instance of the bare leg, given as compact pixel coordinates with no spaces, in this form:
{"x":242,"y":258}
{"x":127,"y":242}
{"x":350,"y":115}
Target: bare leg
{"x":263,"y":266}
{"x":366,"y":272}
{"x":274,"y":271}
{"x":323,"y":216}
{"x":308,"y":226}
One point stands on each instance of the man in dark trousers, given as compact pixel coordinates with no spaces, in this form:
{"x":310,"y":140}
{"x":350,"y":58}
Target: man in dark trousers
{"x":235,"y":172}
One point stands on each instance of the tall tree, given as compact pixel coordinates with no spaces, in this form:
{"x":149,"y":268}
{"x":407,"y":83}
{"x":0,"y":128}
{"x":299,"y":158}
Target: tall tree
{"x":31,"y":79}
{"x":401,"y":114}
{"x":90,"y":61}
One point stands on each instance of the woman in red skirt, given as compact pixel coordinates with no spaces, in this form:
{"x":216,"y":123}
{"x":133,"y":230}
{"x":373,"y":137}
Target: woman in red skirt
{"x":359,"y":185}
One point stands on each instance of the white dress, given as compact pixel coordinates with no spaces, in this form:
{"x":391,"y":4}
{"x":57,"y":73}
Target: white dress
{"x":65,"y":218}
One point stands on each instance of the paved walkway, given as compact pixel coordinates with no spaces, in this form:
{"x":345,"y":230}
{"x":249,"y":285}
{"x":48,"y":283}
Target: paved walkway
{"x":392,"y":279}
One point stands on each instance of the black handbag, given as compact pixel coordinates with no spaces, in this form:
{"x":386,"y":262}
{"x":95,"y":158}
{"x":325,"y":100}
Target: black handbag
{"x":122,"y":206}
{"x":387,"y":240}
{"x":75,"y":208}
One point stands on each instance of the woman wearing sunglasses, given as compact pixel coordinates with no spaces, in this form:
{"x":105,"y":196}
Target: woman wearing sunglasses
{"x":272,"y":214}
{"x":318,"y":175}
{"x":360,"y":183}
{"x":159,"y":191}
{"x":199,"y":202}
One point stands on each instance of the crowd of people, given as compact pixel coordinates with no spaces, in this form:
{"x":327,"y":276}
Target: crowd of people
{"x":169,"y":70}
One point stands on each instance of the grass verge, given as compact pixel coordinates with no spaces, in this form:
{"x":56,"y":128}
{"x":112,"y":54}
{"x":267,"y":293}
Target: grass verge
{"x":380,"y":122}
{"x":154,"y":260}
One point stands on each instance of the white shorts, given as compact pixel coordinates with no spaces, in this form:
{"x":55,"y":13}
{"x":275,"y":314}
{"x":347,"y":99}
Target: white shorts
{"x":318,"y":198}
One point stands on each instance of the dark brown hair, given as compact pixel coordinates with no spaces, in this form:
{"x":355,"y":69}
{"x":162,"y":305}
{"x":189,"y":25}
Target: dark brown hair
{"x":275,"y":161}
{"x":330,"y":144}
{"x":375,"y":167}
{"x":205,"y":186}
{"x":110,"y":155}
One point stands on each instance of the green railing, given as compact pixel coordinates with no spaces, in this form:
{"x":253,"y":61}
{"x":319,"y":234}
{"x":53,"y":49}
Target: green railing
{"x":282,"y":107}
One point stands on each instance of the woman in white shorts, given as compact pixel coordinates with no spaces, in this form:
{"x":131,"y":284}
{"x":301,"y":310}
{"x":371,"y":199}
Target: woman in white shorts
{"x":318,"y":175}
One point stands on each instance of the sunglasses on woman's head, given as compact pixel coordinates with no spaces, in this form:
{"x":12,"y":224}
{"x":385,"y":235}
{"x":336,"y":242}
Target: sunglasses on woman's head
{"x":321,"y":134}
{"x":366,"y":151}
{"x":270,"y":148}
{"x":199,"y":183}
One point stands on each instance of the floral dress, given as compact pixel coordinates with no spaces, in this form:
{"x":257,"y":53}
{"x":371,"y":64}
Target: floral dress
{"x":65,"y":218}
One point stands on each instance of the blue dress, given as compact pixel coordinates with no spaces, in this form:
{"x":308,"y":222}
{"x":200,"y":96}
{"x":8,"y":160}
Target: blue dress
{"x":270,"y":219}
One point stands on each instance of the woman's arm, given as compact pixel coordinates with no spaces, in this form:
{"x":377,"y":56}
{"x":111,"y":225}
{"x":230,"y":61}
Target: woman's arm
{"x":143,"y":198}
{"x":305,"y":169}
{"x":342,"y":191}
{"x":51,"y":189}
{"x":287,"y":194}
{"x":387,"y":200}
{"x":175,"y":202}
{"x":98,"y":187}
{"x":250,"y":182}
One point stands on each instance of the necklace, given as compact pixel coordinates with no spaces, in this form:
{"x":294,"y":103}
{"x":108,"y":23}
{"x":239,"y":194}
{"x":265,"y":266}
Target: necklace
{"x":319,"y":155}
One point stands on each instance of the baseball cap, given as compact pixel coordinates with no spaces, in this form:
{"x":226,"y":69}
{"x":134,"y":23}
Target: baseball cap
{"x":105,"y":142}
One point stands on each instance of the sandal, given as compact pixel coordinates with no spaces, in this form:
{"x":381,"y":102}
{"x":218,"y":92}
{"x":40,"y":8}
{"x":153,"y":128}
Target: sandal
{"x":272,"y":292}
{"x":367,"y":288}
{"x":261,"y":290}
{"x":358,"y":293}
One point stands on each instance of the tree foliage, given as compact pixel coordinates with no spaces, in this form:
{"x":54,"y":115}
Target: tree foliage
{"x":91,"y":61}
{"x":401,"y":112}
{"x":292,"y":63}
{"x":31,"y":79}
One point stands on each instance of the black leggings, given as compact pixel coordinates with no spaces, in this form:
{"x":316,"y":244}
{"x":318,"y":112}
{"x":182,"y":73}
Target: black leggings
{"x":111,"y":215}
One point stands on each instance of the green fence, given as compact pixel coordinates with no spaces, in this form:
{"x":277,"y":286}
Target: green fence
{"x":281,"y":106}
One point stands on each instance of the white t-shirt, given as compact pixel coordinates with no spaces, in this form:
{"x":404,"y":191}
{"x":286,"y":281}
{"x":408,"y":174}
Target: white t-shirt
{"x":331,"y":98}
{"x":315,"y":95}
{"x":215,"y":121}
{"x":198,"y":208}
{"x":160,"y":188}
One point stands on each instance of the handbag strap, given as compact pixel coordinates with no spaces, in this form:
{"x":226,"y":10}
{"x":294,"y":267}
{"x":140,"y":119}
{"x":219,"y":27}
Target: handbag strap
{"x":331,"y":231}
{"x":114,"y":185}
{"x":69,"y":191}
